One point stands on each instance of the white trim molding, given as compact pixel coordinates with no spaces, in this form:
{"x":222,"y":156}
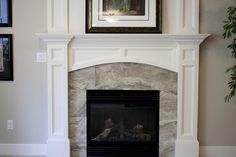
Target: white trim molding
{"x":23,"y":149}
{"x":57,"y":77}
{"x":187,"y":110}
{"x":217,"y":151}
{"x":41,"y":150}
{"x":57,"y":16}
{"x":187,"y":16}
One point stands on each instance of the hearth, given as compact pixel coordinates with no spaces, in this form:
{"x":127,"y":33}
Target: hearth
{"x":122,"y":123}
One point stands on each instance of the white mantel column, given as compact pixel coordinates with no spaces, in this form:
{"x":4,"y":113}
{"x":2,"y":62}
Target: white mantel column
{"x":58,"y":144}
{"x":187,"y":144}
{"x":187,"y":16}
{"x":57,"y":16}
{"x":57,"y":39}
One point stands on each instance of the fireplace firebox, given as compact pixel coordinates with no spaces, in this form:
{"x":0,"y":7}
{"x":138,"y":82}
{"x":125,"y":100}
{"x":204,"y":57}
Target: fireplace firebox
{"x":122,"y":123}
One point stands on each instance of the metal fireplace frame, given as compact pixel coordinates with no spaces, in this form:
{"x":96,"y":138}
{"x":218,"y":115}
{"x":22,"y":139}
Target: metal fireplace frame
{"x":120,"y":97}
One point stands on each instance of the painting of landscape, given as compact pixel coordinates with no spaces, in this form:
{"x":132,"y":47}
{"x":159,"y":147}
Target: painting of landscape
{"x":123,"y":7}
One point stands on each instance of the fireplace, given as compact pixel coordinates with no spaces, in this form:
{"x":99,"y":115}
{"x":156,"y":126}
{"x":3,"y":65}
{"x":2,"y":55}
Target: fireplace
{"x":122,"y":123}
{"x":178,"y":53}
{"x":69,"y":48}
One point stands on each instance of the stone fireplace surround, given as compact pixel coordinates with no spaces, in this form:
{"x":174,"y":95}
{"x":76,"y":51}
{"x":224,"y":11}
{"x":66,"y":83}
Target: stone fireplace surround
{"x":177,"y":49}
{"x":127,"y":76}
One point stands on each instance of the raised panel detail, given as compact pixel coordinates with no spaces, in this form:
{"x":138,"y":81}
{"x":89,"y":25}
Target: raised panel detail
{"x":57,"y":54}
{"x":57,"y":16}
{"x":188,"y":101}
{"x":188,"y":16}
{"x":57,"y":100}
{"x":160,"y":57}
{"x":188,"y":55}
{"x":85,"y":57}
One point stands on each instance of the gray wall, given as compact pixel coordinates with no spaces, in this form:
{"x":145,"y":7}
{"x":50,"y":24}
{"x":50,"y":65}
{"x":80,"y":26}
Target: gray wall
{"x":216,"y":118}
{"x":24,"y":99}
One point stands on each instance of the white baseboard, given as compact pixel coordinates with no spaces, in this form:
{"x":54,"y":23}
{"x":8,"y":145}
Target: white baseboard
{"x":41,"y":150}
{"x":23,"y":149}
{"x":218,"y":151}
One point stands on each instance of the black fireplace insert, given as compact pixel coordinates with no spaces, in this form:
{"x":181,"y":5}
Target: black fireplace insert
{"x":122,"y":123}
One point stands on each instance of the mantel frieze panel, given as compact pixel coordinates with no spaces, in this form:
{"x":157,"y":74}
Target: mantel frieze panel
{"x":164,"y":57}
{"x":157,"y":50}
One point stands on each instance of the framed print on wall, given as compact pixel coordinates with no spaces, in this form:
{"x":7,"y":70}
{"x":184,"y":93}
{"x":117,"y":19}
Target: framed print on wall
{"x":123,"y":16}
{"x":5,"y":13}
{"x":6,"y":57}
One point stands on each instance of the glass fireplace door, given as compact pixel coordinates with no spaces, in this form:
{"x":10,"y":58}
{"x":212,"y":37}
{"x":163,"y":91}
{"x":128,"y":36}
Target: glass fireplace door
{"x":122,"y":122}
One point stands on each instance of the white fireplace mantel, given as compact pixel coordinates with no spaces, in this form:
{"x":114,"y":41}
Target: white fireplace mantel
{"x":177,"y":52}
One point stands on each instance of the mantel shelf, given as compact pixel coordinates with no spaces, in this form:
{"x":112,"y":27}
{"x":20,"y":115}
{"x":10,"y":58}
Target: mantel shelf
{"x":126,"y":36}
{"x":110,"y":39}
{"x":144,"y":36}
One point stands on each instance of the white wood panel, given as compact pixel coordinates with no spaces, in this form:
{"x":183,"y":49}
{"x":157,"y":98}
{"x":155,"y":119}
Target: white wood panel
{"x":188,"y":101}
{"x":85,"y":57}
{"x":160,"y":57}
{"x":57,"y":73}
{"x":188,"y":16}
{"x":58,"y":100}
{"x":57,"y":13}
{"x":163,"y":57}
{"x":187,"y":112}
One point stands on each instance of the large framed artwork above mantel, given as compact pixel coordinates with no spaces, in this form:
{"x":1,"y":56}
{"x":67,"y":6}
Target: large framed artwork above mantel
{"x":123,"y":16}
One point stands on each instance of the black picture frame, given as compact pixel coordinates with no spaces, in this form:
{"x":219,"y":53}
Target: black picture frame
{"x":5,"y":13}
{"x":153,"y":16}
{"x":6,"y":57}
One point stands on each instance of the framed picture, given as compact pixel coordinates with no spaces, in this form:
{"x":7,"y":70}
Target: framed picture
{"x":5,"y":13}
{"x":123,"y":16}
{"x":6,"y":57}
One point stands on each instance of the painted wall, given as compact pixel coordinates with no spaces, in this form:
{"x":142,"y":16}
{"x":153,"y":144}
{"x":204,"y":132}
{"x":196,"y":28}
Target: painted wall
{"x":216,"y":118}
{"x":24,"y":99}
